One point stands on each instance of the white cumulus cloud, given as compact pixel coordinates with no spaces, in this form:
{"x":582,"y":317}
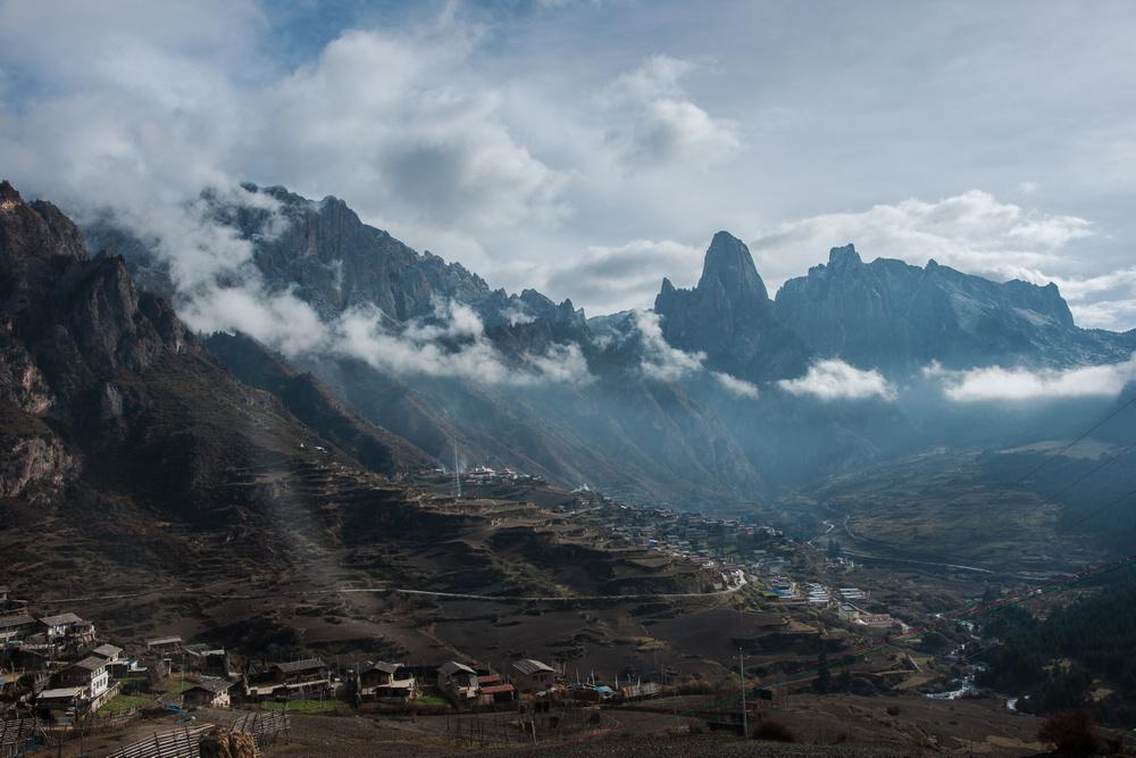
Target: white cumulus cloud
{"x":995,"y":383}
{"x":735,"y":386}
{"x":834,"y":379}
{"x":657,"y":121}
{"x":662,"y":362}
{"x":617,"y":277}
{"x":973,"y":232}
{"x":453,"y":345}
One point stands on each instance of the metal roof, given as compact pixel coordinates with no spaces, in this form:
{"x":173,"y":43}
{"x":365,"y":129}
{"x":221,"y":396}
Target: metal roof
{"x":453,"y":666}
{"x":304,"y":665}
{"x":61,"y":692}
{"x":90,"y":663}
{"x":62,"y":618}
{"x":496,"y":688}
{"x":386,"y":668}
{"x":530,"y":666}
{"x":214,"y":685}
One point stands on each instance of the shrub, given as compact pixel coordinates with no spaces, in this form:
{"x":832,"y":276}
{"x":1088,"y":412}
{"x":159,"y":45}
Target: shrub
{"x":1070,"y":732}
{"x":773,"y":731}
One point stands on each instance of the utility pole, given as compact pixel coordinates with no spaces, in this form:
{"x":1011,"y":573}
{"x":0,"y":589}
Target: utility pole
{"x":457,"y":472}
{"x":742,"y":673}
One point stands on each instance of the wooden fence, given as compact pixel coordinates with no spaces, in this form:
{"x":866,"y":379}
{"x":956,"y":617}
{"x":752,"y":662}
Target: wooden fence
{"x":265,"y":726}
{"x":481,"y":729}
{"x":15,"y":734}
{"x":175,"y":743}
{"x":185,"y":742}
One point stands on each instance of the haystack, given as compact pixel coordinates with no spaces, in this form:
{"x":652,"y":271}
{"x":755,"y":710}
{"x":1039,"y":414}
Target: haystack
{"x":223,"y":744}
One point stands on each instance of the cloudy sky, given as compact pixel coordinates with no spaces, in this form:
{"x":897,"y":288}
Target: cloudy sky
{"x":590,"y":148}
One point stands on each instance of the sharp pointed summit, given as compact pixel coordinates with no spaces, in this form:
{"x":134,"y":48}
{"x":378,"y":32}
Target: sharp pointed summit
{"x":728,"y":316}
{"x":729,"y":264}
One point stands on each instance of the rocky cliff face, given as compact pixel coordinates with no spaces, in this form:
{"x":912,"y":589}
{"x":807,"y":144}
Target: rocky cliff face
{"x":729,"y":316}
{"x":890,"y":314}
{"x":68,"y":325}
{"x":102,"y":386}
{"x":608,"y":435}
{"x":336,"y":262}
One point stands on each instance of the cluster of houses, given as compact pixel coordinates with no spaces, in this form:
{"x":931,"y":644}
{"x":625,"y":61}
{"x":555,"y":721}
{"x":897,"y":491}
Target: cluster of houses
{"x":685,"y":535}
{"x":878,"y":622}
{"x":54,"y":662}
{"x":56,"y":666}
{"x":392,"y":682}
{"x":530,"y":678}
{"x":481,"y":476}
{"x":721,"y":546}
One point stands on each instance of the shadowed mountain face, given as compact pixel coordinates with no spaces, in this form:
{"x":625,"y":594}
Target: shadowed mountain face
{"x":179,"y":498}
{"x":103,"y":385}
{"x":890,"y":314}
{"x":687,"y":438}
{"x":645,"y":439}
{"x":729,"y":316}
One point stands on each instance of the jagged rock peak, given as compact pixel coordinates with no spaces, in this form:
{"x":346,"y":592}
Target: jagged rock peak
{"x":729,"y":264}
{"x":843,"y":256}
{"x":8,"y":192}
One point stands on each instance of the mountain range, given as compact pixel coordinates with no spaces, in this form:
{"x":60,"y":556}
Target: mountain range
{"x":689,"y":404}
{"x":174,"y":495}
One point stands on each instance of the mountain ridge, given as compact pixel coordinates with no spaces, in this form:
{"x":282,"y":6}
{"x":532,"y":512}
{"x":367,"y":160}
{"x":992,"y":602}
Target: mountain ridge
{"x":894,"y":315}
{"x":884,"y":315}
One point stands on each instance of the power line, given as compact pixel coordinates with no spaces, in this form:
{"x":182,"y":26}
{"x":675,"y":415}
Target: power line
{"x":1082,"y":437}
{"x":1093,"y":514}
{"x":1107,"y":462}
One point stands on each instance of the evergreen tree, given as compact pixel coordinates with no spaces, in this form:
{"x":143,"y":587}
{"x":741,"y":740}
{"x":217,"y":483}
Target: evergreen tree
{"x":823,"y":682}
{"x":844,"y":683}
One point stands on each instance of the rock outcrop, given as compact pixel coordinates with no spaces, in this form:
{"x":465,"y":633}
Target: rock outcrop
{"x":103,"y":387}
{"x":893,"y":315}
{"x":729,"y":317}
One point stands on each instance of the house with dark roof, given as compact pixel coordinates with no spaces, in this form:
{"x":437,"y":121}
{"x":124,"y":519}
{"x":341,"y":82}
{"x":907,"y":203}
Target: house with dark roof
{"x":17,"y":627}
{"x":306,"y":668}
{"x":386,"y":681}
{"x":164,"y":645}
{"x":207,"y":659}
{"x":89,"y":673}
{"x":109,"y":653}
{"x":67,"y":626}
{"x":213,"y":692}
{"x":492,"y":689}
{"x":118,"y":664}
{"x":531,"y":675}
{"x":458,"y":680}
{"x":21,"y":657}
{"x":61,"y":702}
{"x":289,"y":679}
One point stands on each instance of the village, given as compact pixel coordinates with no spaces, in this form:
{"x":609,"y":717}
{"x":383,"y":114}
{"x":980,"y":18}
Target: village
{"x":60,"y":679}
{"x":778,"y":601}
{"x":738,"y":551}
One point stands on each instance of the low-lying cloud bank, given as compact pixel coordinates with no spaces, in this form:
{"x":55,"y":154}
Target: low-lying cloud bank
{"x":994,"y":383}
{"x":219,"y":288}
{"x":665,"y":363}
{"x":454,"y":345}
{"x":833,"y":379}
